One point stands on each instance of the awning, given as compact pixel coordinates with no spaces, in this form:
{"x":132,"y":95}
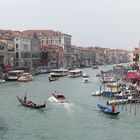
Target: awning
{"x":133,"y":74}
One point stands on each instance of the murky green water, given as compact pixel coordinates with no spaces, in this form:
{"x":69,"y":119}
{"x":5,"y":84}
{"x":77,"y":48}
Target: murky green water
{"x":78,"y":120}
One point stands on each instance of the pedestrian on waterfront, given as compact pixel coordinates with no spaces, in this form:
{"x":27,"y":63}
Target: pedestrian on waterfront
{"x":25,"y":97}
{"x":113,"y":107}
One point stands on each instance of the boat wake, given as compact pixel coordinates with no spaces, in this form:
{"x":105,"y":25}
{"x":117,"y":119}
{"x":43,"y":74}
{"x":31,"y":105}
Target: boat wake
{"x":68,"y":105}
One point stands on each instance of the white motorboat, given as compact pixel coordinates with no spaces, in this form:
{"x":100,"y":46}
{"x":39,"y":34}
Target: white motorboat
{"x":97,"y":93}
{"x":25,"y":77}
{"x":58,"y":98}
{"x":85,"y":75}
{"x":118,"y":101}
{"x":52,"y":77}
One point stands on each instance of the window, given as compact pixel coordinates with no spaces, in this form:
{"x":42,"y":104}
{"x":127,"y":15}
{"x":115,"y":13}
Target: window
{"x":16,"y":46}
{"x":17,"y":55}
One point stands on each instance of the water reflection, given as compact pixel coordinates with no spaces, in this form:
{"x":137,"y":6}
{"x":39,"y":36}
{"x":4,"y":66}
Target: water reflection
{"x":3,"y":130}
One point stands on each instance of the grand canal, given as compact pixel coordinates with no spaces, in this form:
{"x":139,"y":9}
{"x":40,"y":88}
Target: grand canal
{"x":78,"y":120}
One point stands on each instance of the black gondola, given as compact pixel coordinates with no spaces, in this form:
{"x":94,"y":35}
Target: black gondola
{"x":31,"y":104}
{"x":107,"y":110}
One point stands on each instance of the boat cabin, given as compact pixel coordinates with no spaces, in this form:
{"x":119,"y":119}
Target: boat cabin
{"x":59,"y":96}
{"x":59,"y":72}
{"x":14,"y":75}
{"x":75,"y":73}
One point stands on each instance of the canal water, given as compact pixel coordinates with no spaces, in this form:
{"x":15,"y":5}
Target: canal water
{"x":80,"y":119}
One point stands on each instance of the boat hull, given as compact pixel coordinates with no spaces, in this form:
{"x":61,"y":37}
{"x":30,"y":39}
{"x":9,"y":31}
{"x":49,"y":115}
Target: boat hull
{"x":107,"y":110}
{"x":58,"y":98}
{"x":30,"y":105}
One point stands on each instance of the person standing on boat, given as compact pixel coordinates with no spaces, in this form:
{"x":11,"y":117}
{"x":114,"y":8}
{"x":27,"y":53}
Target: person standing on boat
{"x":25,"y":97}
{"x":113,"y":108}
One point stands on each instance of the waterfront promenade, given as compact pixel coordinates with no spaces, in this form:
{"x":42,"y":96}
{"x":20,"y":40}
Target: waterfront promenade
{"x":80,"y":119}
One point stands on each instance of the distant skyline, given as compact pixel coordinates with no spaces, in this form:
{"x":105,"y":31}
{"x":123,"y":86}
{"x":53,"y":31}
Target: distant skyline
{"x":104,"y":23}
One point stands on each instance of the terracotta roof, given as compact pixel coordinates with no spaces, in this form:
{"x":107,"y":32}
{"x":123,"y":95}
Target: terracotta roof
{"x":44,"y":32}
{"x":6,"y":37}
{"x":49,"y":46}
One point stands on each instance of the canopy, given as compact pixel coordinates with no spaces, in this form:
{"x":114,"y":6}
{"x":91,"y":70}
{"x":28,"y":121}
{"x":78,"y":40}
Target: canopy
{"x":133,"y":74}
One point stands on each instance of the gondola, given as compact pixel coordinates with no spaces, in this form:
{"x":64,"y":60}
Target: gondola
{"x":31,"y":104}
{"x":107,"y":110}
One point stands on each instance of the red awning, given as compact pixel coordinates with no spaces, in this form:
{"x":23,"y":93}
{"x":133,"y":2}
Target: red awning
{"x":7,"y":68}
{"x":133,"y":74}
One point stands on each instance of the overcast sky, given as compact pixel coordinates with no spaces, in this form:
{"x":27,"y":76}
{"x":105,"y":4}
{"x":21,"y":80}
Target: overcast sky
{"x":104,"y":23}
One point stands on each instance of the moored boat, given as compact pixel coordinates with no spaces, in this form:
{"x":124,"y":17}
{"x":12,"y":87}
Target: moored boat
{"x":97,"y":93}
{"x":43,"y":69}
{"x":107,"y":110}
{"x":30,"y":104}
{"x":117,"y":101}
{"x":14,"y":75}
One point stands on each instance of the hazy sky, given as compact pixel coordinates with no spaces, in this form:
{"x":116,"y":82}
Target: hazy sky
{"x":104,"y":23}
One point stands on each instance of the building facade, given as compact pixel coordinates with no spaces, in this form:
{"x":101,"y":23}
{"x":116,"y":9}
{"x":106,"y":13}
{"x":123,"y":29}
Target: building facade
{"x":7,"y":50}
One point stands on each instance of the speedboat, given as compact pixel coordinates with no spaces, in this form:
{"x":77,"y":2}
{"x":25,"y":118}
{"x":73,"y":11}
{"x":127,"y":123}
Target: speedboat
{"x":85,"y":75}
{"x":52,"y":77}
{"x":58,"y":98}
{"x":25,"y":77}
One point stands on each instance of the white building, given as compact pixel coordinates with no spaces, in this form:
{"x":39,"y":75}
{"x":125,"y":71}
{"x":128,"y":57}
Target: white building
{"x":51,"y":37}
{"x":23,"y":52}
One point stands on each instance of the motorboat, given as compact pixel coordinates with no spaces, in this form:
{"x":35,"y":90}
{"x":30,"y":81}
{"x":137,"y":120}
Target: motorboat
{"x":97,"y":93}
{"x":85,"y":75}
{"x":52,"y":77}
{"x":107,"y":79}
{"x":75,"y":73}
{"x":117,"y":101}
{"x":25,"y":77}
{"x":58,"y":98}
